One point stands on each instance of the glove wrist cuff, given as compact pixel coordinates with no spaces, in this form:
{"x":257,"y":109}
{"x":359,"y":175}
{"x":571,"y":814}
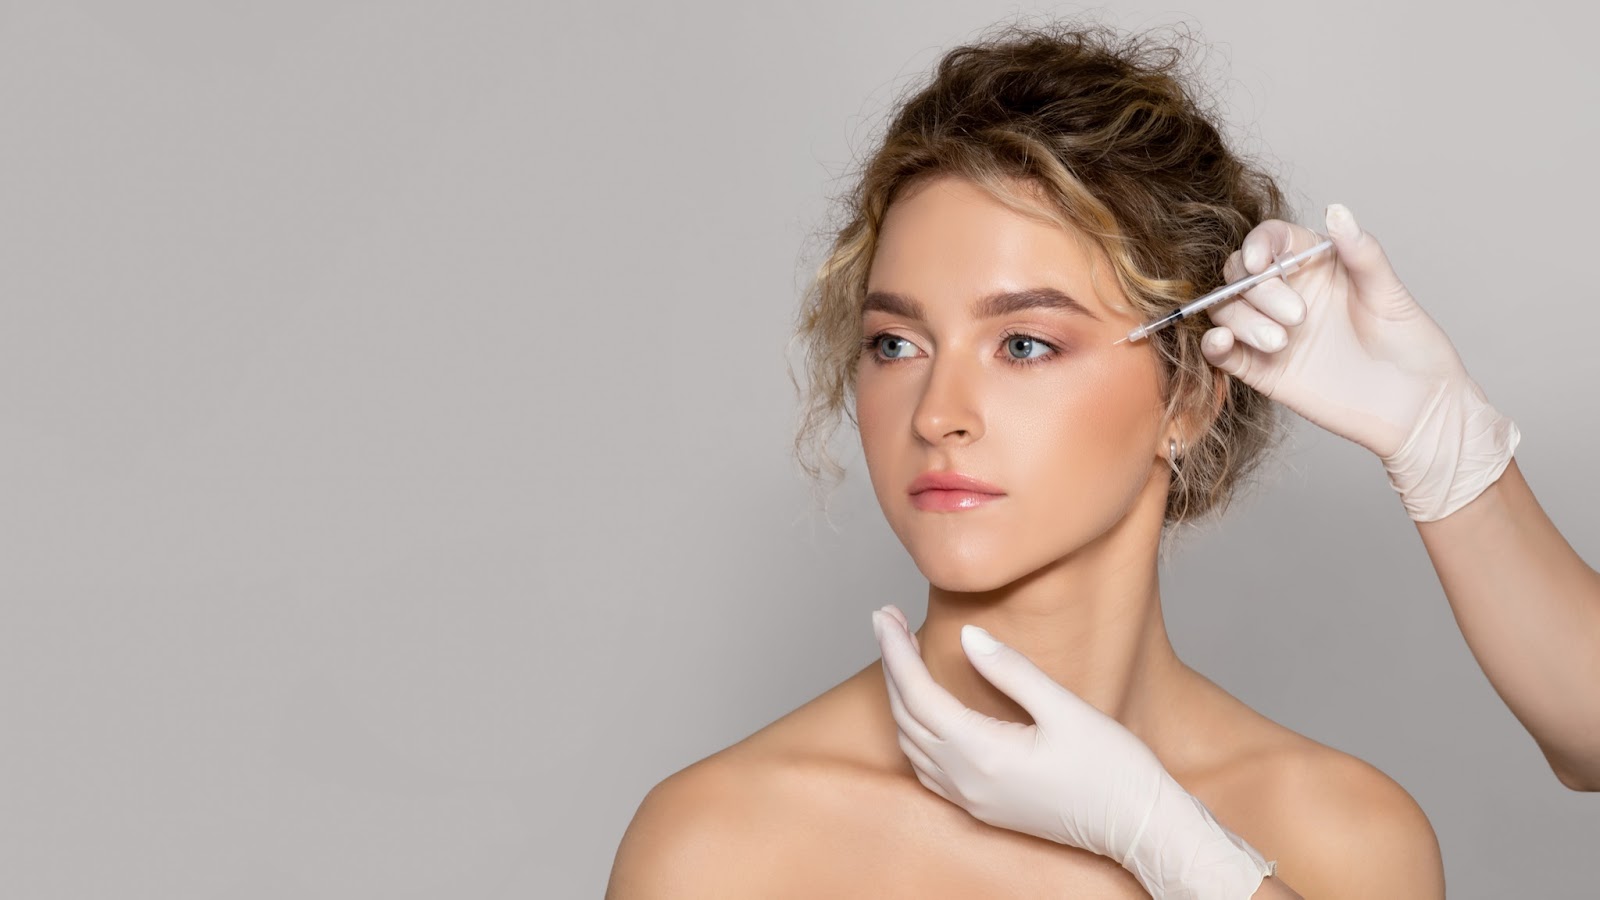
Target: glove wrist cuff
{"x":1183,"y":853}
{"x":1459,"y":446}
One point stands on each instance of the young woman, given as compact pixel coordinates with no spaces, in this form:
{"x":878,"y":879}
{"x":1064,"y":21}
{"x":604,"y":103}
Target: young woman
{"x":1047,"y":191}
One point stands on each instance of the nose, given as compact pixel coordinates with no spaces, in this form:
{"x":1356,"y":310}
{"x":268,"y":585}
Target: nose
{"x":948,"y":409}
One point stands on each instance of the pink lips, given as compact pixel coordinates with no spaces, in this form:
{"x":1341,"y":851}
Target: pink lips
{"x":949,"y":491}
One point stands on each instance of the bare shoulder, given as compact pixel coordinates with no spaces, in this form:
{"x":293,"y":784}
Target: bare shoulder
{"x":1337,"y":825}
{"x":692,"y":836}
{"x":1369,"y":836}
{"x":737,"y":822}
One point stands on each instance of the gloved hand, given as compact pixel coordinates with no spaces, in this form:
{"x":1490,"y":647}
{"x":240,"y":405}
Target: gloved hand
{"x":1363,"y":360}
{"x":1076,"y":776}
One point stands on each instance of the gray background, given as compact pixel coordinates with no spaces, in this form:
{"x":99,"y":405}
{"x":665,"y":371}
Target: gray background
{"x":395,"y":423}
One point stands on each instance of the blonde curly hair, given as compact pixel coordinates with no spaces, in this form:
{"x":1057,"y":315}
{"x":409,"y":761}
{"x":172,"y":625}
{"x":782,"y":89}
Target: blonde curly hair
{"x":1107,"y":134}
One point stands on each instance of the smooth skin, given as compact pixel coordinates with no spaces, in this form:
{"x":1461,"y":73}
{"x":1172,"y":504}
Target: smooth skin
{"x":1529,"y":608}
{"x":823,"y":802}
{"x":1075,"y":776}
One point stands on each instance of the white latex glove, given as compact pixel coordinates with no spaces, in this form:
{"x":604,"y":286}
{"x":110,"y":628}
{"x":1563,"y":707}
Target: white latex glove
{"x":1076,"y":776}
{"x":1363,"y":360}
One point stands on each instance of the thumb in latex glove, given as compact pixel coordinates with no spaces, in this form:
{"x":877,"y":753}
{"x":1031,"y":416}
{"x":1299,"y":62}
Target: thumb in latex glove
{"x":1076,"y":776}
{"x":1343,"y":343}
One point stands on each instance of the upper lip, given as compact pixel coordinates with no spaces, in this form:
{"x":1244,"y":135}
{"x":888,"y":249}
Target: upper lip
{"x":951,"y":481}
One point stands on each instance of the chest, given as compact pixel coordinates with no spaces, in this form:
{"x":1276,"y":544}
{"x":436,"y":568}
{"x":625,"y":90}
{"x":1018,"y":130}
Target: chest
{"x":926,"y":848}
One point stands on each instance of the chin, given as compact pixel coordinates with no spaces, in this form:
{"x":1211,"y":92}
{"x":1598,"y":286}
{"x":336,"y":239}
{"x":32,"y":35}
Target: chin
{"x":965,"y":582}
{"x":968,"y":570}
{"x":976,"y":560}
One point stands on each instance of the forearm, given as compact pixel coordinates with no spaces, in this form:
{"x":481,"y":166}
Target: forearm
{"x":1529,"y":608}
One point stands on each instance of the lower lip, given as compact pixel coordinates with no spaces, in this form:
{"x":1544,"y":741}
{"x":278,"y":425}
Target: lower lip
{"x":951,"y":501}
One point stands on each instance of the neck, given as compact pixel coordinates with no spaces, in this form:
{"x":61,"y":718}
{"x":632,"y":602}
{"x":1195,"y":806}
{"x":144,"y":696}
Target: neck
{"x":1091,"y":621}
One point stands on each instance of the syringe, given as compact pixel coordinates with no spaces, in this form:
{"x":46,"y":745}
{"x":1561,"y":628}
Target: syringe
{"x":1283,"y":265}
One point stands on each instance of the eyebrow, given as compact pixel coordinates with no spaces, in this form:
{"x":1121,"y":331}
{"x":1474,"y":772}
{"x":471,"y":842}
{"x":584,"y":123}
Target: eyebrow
{"x":988,"y":307}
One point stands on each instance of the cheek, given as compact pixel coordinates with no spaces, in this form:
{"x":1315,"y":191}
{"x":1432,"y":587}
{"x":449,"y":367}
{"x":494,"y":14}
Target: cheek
{"x":874,"y":408}
{"x":1090,"y":424}
{"x":884,"y":402}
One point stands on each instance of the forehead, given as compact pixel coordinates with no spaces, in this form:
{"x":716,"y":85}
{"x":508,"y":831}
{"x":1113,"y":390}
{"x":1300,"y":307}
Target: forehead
{"x":949,"y":240}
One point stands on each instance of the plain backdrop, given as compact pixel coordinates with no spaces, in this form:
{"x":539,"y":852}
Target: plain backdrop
{"x":395,"y":425}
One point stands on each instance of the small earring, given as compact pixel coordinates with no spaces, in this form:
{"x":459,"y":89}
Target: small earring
{"x":1172,"y":454}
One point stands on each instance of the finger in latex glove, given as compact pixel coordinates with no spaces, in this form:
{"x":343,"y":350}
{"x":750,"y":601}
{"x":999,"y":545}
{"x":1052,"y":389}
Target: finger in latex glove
{"x":1343,"y":343}
{"x":1075,"y":776}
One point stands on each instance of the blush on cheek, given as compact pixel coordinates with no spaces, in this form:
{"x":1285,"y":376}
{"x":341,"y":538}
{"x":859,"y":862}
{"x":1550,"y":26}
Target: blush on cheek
{"x":1097,"y":421}
{"x":1092,"y":392}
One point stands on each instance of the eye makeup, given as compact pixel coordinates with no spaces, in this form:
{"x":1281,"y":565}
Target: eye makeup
{"x":870,"y":345}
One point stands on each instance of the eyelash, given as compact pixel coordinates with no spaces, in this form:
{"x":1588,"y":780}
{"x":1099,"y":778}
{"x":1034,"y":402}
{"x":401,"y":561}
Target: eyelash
{"x":870,"y":345}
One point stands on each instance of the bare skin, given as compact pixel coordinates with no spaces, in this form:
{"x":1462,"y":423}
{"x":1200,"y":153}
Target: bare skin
{"x":1529,"y":608}
{"x":1063,"y":567}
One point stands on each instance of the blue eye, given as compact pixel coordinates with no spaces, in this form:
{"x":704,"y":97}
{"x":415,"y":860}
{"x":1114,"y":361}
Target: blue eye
{"x":875,"y":340}
{"x":1026,"y":341}
{"x":1015,"y":340}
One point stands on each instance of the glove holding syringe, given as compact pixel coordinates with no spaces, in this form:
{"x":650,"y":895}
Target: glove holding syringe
{"x":1338,"y":338}
{"x":1285,"y":264}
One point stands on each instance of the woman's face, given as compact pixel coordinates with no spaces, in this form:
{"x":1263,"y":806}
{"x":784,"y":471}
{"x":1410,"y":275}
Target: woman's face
{"x":1034,"y":400}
